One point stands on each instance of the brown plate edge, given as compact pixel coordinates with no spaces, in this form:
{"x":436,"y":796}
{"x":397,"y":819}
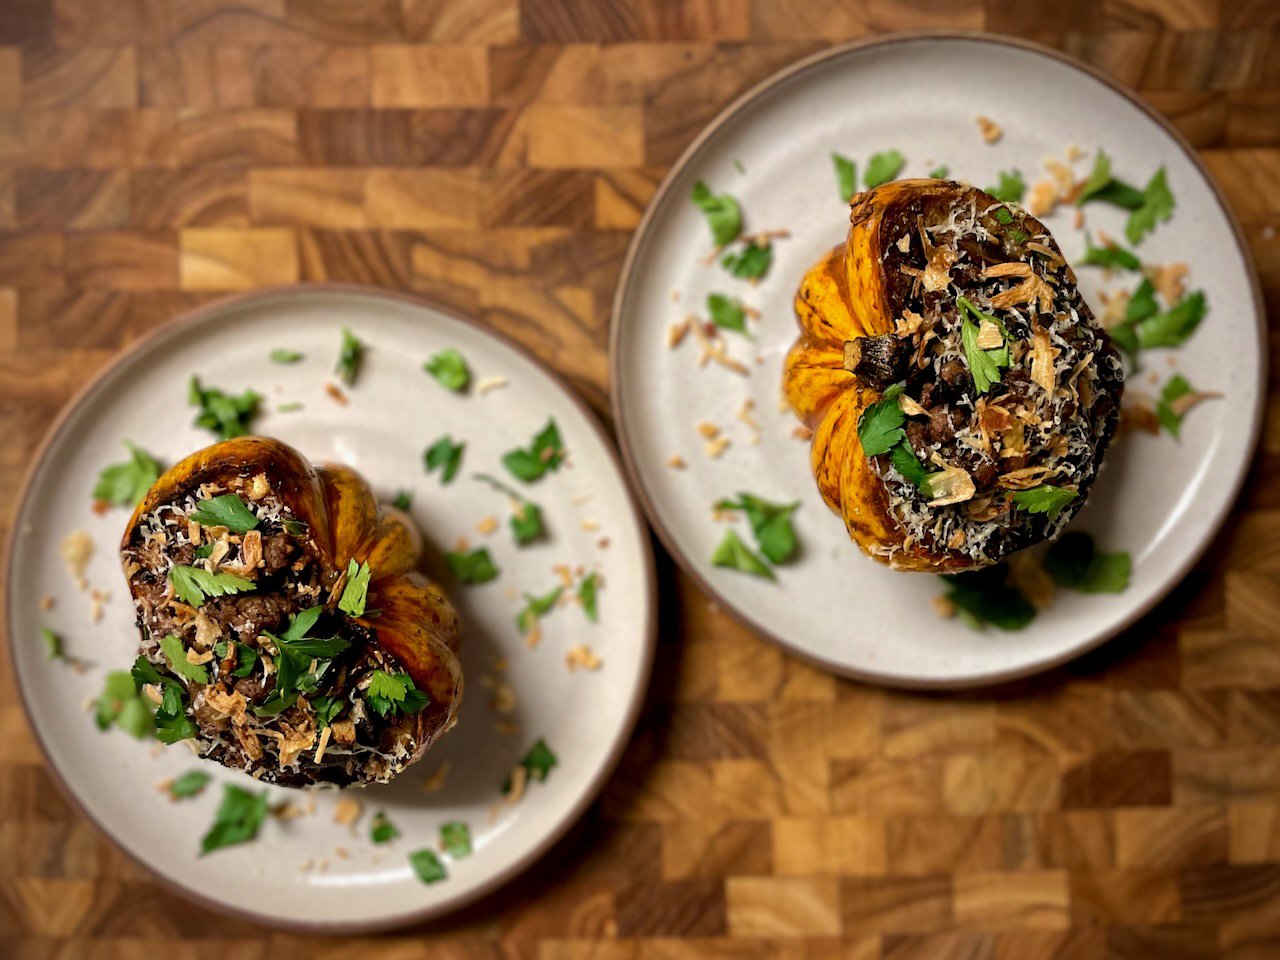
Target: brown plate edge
{"x":200,"y":314}
{"x":615,"y":368}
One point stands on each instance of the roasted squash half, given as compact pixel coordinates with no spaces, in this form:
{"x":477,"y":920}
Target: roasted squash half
{"x":960,"y":392}
{"x":311,"y":649}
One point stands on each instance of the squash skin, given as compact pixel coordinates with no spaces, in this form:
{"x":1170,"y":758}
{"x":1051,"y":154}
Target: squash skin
{"x":842,"y":298}
{"x":417,"y":624}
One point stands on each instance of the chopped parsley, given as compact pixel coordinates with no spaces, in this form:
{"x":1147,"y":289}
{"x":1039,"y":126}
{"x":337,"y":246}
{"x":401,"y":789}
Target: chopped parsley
{"x":1010,"y":188}
{"x":539,"y":761}
{"x":395,"y":693}
{"x":446,"y":456}
{"x":171,"y":722}
{"x":1074,"y":562}
{"x":227,"y":511}
{"x":427,"y":866}
{"x":403,"y":500}
{"x":327,"y":710}
{"x":450,"y":370}
{"x":535,"y":608}
{"x":526,"y":516}
{"x":289,"y":408}
{"x":906,"y":462}
{"x":880,"y":426}
{"x":1157,"y":207}
{"x":52,"y":644}
{"x":285,"y":356}
{"x":350,"y":358}
{"x":846,"y":176}
{"x":1046,"y":498}
{"x":939,"y":172}
{"x":173,"y":650}
{"x":475,"y":566}
{"x":751,"y":263}
{"x":1177,"y":387}
{"x":731,"y":552}
{"x":382,"y":830}
{"x":1098,"y":179}
{"x":985,"y":597}
{"x":545,"y":452}
{"x":121,"y":705}
{"x":984,"y":365}
{"x":1173,"y":327}
{"x":194,"y":584}
{"x":239,"y":817}
{"x":190,"y":784}
{"x":723,"y":214}
{"x":883,"y":167}
{"x":727,"y":314}
{"x":125,"y":484}
{"x":225,"y":415}
{"x":455,"y":839}
{"x":770,"y":522}
{"x":1112,"y":256}
{"x":295,"y":528}
{"x":355,"y":594}
{"x":588,"y":596}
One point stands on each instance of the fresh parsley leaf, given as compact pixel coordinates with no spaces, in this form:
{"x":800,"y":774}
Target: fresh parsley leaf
{"x":350,"y":357}
{"x":176,"y":654}
{"x":52,"y":644}
{"x":475,"y":566}
{"x":122,"y":706}
{"x":382,"y":830}
{"x":751,"y":263}
{"x":984,"y":365}
{"x":1046,"y":498}
{"x":1074,"y":562}
{"x":289,"y":408}
{"x":327,"y":710}
{"x":906,"y":462}
{"x":1173,"y":327}
{"x":144,"y":672}
{"x":939,"y":173}
{"x":204,"y":551}
{"x":125,"y":484}
{"x":403,"y":500}
{"x":1178,"y":386}
{"x":1143,"y":302}
{"x":733,"y":553}
{"x":526,"y":522}
{"x":986,"y":597}
{"x":1010,"y":188}
{"x":300,"y":623}
{"x":450,"y":370}
{"x":770,"y":522}
{"x":588,"y":592}
{"x":546,"y":452}
{"x":227,"y":511}
{"x":539,"y":761}
{"x":880,"y":426}
{"x":1157,"y":207}
{"x":727,"y":314}
{"x":846,"y":176}
{"x":225,"y":415}
{"x":536,"y":607}
{"x":395,"y":692}
{"x":246,"y":660}
{"x":295,"y":528}
{"x":427,"y":866}
{"x":285,"y":356}
{"x":313,"y":648}
{"x":355,"y":594}
{"x":455,"y":839}
{"x":1112,"y":256}
{"x":194,"y":584}
{"x":445,"y":455}
{"x":1003,"y":215}
{"x":883,"y":167}
{"x":190,"y":784}
{"x":239,"y":817}
{"x":1098,"y":178}
{"x":172,"y":724}
{"x":723,"y":214}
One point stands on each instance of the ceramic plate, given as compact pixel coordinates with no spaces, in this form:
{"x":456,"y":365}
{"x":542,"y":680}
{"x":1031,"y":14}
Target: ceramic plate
{"x":1158,"y":498}
{"x":312,"y":871}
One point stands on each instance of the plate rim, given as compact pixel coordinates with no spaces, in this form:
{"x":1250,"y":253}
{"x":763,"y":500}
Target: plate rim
{"x":626,"y":278}
{"x":194,"y":316}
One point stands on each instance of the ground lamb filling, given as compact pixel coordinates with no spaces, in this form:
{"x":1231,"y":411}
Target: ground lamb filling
{"x":968,"y":260}
{"x":324,"y":731}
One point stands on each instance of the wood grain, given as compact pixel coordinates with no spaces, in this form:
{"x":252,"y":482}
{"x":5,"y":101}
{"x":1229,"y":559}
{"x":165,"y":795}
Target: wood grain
{"x":496,"y":154}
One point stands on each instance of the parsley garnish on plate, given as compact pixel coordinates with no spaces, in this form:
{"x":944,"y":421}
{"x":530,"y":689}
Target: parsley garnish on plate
{"x":350,"y":358}
{"x":985,"y":597}
{"x":176,"y":654}
{"x":770,"y":522}
{"x":726,"y":313}
{"x":227,"y":511}
{"x":588,"y":596}
{"x":1112,"y":256}
{"x":125,"y":484}
{"x":1074,"y":562}
{"x":239,"y":817}
{"x":1157,"y":207}
{"x":450,"y":370}
{"x":939,"y":172}
{"x":285,"y":356}
{"x":536,"y":607}
{"x":883,"y":167}
{"x":1010,"y":188}
{"x":723,"y":214}
{"x":121,"y":705}
{"x":545,"y":452}
{"x":475,"y":566}
{"x":846,"y":176}
{"x":381,"y":829}
{"x":427,"y":866}
{"x":539,"y":761}
{"x":455,"y":839}
{"x":403,"y":500}
{"x":731,"y":552}
{"x":356,"y":591}
{"x":194,"y":584}
{"x":395,"y":692}
{"x":526,"y":516}
{"x":1046,"y":498}
{"x":190,"y":784}
{"x":751,"y":263}
{"x":1178,"y":386}
{"x":446,"y":456}
{"x":880,"y":426}
{"x":52,"y":644}
{"x":227,"y":416}
{"x":1172,"y":327}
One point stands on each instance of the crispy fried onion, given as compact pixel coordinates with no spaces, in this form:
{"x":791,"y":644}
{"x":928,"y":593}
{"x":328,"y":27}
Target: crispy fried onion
{"x":950,"y":485}
{"x":1033,"y":288}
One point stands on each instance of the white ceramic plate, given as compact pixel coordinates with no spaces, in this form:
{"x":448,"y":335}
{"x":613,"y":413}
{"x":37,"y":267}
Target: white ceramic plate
{"x":1160,"y":499}
{"x":395,"y":411}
